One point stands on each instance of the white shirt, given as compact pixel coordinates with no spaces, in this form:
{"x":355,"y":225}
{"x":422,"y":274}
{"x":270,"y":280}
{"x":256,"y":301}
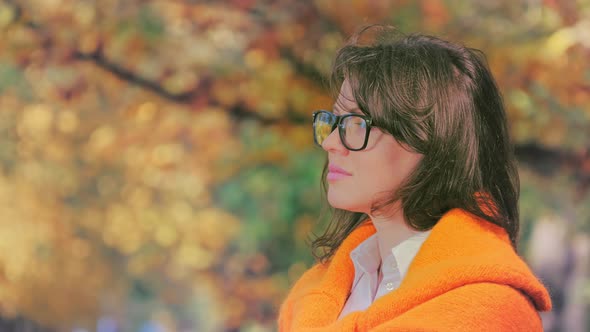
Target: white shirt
{"x":367,"y":287}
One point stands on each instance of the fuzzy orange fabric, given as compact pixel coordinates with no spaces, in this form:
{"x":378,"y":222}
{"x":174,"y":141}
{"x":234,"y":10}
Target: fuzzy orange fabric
{"x":466,"y":277}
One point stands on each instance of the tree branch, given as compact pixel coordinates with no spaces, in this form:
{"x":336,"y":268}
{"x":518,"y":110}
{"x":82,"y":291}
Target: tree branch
{"x":546,"y":162}
{"x":125,"y":74}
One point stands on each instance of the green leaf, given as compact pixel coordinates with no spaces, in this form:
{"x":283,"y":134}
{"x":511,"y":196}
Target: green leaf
{"x":151,"y":26}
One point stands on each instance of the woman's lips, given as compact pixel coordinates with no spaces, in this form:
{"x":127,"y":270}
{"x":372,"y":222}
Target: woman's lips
{"x":336,"y":173}
{"x":335,"y":176}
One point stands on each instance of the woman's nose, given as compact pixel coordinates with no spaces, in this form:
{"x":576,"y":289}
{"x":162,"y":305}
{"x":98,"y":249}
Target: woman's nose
{"x":332,"y":143}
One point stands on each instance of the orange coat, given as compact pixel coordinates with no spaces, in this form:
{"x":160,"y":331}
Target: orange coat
{"x":465,"y":277}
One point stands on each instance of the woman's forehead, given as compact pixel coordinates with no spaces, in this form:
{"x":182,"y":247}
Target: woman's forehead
{"x":345,"y":97}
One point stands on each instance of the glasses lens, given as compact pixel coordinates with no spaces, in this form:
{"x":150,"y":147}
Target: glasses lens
{"x":323,"y":126}
{"x":354,"y":131}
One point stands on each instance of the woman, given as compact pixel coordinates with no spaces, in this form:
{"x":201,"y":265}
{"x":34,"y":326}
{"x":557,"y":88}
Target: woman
{"x":424,"y":184}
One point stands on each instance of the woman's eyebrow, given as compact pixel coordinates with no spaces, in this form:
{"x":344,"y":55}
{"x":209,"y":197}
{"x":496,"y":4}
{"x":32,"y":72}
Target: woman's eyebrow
{"x":355,"y":110}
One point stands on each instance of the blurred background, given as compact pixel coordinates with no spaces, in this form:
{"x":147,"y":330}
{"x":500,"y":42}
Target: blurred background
{"x":157,"y":169}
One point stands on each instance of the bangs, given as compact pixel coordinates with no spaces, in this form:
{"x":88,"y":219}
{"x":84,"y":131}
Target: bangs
{"x":389,"y":86}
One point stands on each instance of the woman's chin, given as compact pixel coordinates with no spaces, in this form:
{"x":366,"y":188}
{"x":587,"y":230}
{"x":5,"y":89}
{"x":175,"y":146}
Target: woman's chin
{"x":335,"y":200}
{"x":341,"y":202}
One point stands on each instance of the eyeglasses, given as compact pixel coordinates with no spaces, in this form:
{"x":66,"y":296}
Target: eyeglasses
{"x":353,"y":128}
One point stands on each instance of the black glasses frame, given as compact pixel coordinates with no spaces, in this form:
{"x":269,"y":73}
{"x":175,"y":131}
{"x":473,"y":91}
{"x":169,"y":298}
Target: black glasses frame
{"x":338,"y":122}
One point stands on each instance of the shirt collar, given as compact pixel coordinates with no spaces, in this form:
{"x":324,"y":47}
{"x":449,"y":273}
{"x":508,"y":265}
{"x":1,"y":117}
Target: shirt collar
{"x":367,"y":258}
{"x":405,"y":252}
{"x":366,"y":255}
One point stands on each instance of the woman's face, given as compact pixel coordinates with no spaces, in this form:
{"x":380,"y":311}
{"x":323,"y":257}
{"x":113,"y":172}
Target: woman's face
{"x":356,"y":179}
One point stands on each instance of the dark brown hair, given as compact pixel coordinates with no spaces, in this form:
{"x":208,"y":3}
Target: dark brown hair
{"x":439,"y":99}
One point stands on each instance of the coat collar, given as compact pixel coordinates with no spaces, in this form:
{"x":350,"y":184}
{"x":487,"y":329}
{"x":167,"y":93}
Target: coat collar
{"x":460,"y":250}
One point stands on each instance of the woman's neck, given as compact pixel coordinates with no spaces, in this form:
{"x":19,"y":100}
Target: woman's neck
{"x":391,"y":231}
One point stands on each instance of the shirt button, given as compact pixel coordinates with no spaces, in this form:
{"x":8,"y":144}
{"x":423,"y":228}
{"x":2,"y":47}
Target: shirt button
{"x":389,"y":285}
